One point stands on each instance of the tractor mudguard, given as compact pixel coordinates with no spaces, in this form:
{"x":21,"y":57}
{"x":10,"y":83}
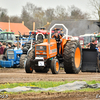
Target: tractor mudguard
{"x":89,"y":60}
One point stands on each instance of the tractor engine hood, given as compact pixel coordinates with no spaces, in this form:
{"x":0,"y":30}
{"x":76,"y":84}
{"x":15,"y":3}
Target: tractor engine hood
{"x":45,"y":49}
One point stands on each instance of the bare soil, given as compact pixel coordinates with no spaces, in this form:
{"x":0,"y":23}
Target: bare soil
{"x":13,"y":75}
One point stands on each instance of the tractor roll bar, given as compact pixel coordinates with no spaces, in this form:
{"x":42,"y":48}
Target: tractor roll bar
{"x":65,"y":36}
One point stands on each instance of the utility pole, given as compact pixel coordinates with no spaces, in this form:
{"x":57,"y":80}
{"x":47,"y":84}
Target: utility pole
{"x":9,"y":23}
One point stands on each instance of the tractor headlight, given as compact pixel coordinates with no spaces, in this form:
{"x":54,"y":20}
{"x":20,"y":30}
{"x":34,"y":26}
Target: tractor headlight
{"x":37,"y":52}
{"x":44,"y":52}
{"x":10,"y":57}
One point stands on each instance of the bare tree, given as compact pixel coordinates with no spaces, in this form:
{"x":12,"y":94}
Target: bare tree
{"x":61,"y":13}
{"x":32,"y":13}
{"x":39,"y":16}
{"x":27,"y":18}
{"x":76,"y":13}
{"x":95,"y":4}
{"x":15,"y":19}
{"x":49,"y":14}
{"x":3,"y":15}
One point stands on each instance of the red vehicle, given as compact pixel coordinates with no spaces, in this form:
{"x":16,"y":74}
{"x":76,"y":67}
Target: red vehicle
{"x":42,"y":33}
{"x":81,"y":40}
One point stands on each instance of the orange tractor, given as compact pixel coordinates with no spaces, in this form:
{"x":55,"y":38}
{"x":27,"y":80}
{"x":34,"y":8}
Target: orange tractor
{"x":43,"y":56}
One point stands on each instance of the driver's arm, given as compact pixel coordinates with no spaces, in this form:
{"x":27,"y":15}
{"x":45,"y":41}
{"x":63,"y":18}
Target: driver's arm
{"x":53,"y":36}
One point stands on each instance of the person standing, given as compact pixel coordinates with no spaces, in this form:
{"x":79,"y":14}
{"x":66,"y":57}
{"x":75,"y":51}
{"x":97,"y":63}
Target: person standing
{"x":5,"y":49}
{"x":0,"y":44}
{"x":92,"y":45}
{"x":1,"y":49}
{"x":9,"y":45}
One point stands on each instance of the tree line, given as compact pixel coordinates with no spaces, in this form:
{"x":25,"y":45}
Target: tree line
{"x":32,"y":13}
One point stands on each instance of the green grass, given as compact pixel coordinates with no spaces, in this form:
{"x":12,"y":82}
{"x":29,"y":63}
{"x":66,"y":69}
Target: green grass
{"x":92,"y":82}
{"x":41,"y":84}
{"x":51,"y":91}
{"x":46,"y":84}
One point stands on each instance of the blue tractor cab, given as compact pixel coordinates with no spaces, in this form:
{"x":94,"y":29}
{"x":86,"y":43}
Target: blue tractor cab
{"x":13,"y":58}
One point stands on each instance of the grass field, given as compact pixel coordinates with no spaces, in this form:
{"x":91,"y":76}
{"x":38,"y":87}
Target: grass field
{"x":42,"y":84}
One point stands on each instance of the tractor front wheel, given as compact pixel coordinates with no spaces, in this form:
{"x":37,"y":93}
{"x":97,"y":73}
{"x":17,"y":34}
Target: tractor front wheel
{"x":28,"y":67}
{"x":55,"y":66}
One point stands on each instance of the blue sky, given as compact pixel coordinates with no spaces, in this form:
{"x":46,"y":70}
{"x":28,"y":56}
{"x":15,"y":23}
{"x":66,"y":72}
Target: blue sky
{"x":14,"y":7}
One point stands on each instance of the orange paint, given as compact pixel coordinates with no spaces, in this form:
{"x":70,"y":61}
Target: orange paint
{"x":57,"y":66}
{"x":77,"y":57}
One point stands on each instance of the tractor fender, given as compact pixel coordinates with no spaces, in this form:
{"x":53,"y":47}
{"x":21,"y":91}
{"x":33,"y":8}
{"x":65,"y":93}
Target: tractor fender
{"x":29,"y":50}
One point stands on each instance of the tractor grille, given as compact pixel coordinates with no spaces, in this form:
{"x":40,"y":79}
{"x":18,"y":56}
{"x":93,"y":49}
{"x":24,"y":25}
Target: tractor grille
{"x":44,"y":56}
{"x":41,"y":48}
{"x":10,"y":54}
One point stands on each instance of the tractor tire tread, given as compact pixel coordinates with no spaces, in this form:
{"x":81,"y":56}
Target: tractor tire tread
{"x":69,"y":52}
{"x":22,"y":59}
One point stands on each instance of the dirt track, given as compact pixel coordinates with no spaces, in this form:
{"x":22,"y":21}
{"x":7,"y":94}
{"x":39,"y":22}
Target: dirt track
{"x":12,"y":75}
{"x":19,"y":75}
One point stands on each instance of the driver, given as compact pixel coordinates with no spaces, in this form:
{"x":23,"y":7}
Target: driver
{"x":58,"y":38}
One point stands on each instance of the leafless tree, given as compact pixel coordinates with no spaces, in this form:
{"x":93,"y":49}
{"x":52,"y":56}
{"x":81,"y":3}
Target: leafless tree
{"x":32,"y":13}
{"x":15,"y":19}
{"x":61,"y":13}
{"x":27,"y":18}
{"x":3,"y":15}
{"x":49,"y":13}
{"x":76,"y":13}
{"x":95,"y":4}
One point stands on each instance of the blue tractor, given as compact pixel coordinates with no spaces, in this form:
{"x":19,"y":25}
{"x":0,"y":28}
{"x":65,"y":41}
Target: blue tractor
{"x":13,"y":58}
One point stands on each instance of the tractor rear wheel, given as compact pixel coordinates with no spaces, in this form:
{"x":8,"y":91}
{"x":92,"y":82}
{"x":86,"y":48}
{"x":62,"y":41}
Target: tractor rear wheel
{"x":72,"y":57}
{"x":28,"y":67}
{"x":31,"y":54}
{"x":55,"y":66}
{"x":22,"y":59}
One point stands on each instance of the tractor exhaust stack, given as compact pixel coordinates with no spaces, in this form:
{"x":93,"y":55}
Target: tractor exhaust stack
{"x":49,"y":38}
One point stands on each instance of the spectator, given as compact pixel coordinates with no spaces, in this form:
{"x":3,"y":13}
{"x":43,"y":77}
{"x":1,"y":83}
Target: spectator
{"x":9,"y":45}
{"x":92,"y":45}
{"x":14,"y":44}
{"x":5,"y":49}
{"x":19,"y":46}
{"x":98,"y":47}
{"x":1,"y":49}
{"x":0,"y":44}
